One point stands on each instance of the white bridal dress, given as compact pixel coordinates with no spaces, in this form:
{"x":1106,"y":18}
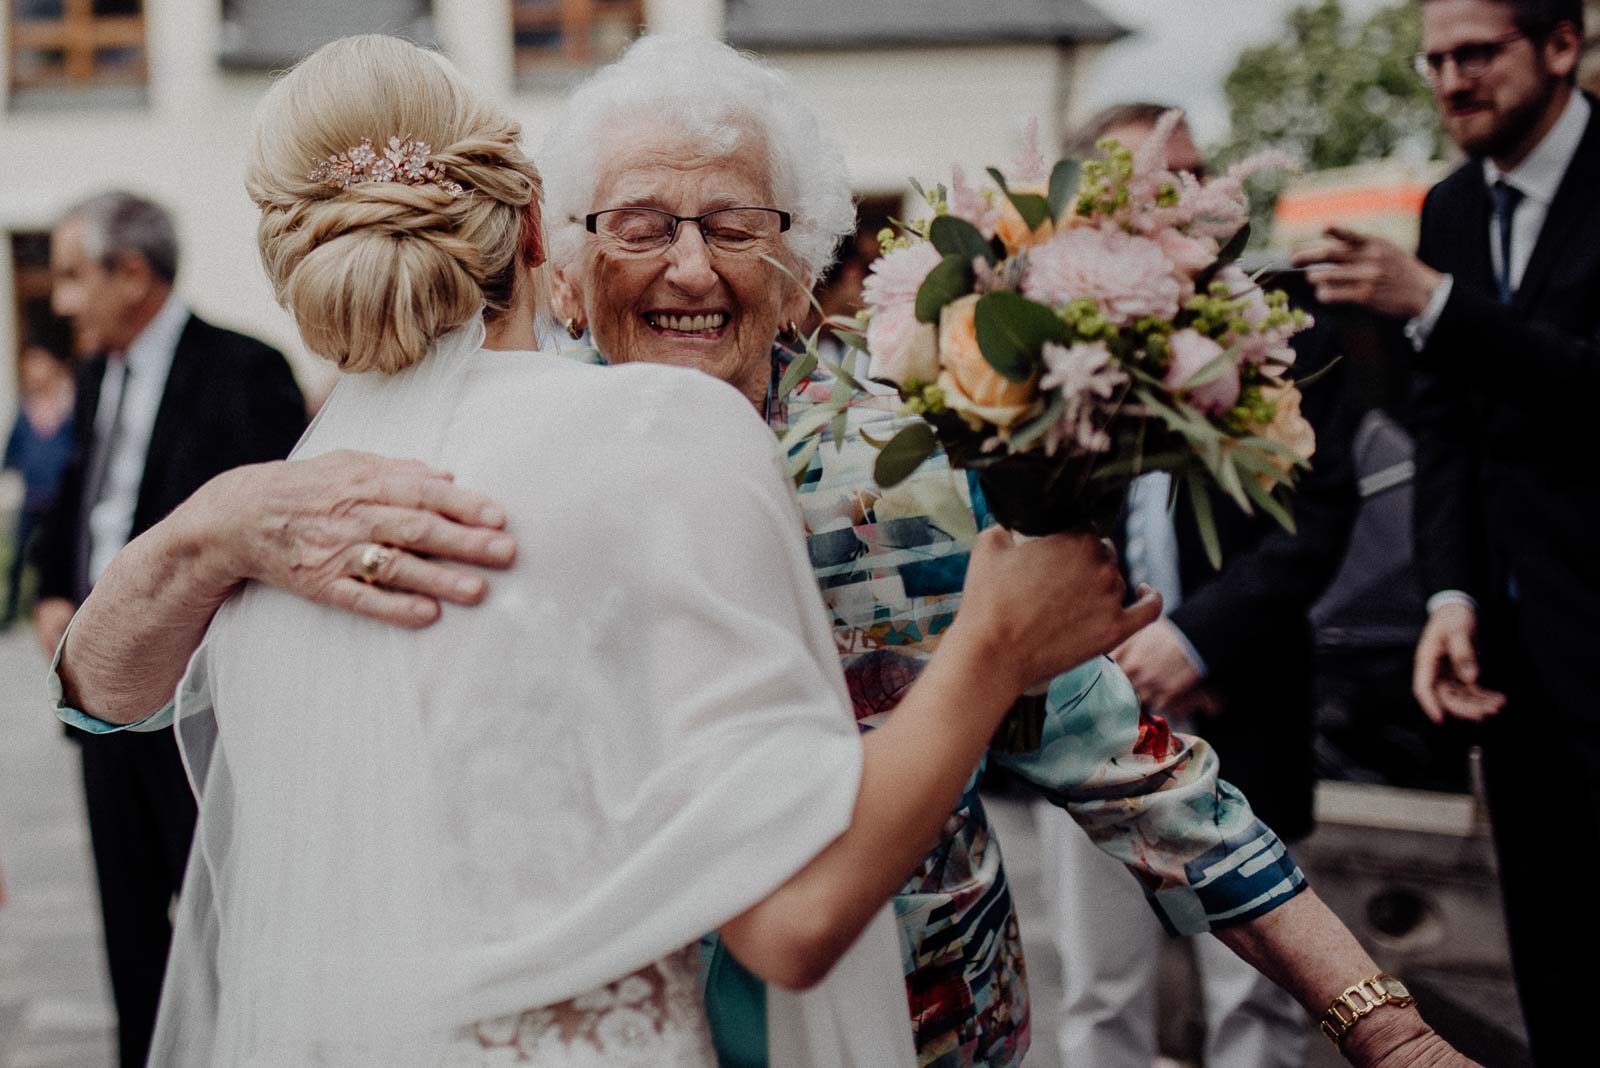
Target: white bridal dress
{"x":492,"y":840}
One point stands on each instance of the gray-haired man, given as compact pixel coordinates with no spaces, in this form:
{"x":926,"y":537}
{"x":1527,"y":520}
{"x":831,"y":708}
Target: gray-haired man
{"x":165,"y":401}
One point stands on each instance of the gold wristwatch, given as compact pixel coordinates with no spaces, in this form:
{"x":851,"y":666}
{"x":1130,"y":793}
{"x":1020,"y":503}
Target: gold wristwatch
{"x":1359,"y":1000}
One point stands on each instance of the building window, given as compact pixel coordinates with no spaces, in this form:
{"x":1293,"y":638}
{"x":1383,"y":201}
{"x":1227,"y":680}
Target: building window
{"x":272,"y":34}
{"x":557,"y":37}
{"x":64,"y":47}
{"x":30,"y":275}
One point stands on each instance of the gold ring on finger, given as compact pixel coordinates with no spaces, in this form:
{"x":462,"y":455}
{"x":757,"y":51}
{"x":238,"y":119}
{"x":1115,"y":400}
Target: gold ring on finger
{"x":374,"y":559}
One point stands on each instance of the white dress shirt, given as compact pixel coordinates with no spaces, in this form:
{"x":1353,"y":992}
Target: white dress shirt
{"x":145,"y":364}
{"x":1152,"y":547}
{"x":1537,"y":178}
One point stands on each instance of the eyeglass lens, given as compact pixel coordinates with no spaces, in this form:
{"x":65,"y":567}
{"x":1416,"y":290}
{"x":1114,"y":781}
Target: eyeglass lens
{"x":647,"y":229}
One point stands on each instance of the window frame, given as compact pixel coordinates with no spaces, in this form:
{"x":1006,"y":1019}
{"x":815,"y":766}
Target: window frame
{"x":78,"y":34}
{"x":573,"y":22}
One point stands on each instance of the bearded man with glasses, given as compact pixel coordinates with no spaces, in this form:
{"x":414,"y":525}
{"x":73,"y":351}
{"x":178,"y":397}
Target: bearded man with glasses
{"x":1502,"y":307}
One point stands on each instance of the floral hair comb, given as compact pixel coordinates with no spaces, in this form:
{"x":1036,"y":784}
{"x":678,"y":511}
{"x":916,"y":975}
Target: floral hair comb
{"x":406,"y":162}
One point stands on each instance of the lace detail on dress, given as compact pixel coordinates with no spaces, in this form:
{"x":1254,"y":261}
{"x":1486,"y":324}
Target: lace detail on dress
{"x":653,"y":1018}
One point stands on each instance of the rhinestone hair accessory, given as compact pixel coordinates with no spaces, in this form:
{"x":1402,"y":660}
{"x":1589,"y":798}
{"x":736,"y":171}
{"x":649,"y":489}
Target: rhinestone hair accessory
{"x":406,"y":162}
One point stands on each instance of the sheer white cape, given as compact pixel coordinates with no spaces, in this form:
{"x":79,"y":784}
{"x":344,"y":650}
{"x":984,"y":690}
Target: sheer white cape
{"x":641,"y":733}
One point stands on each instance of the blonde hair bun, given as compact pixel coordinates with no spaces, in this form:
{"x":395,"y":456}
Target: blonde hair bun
{"x":375,"y":272}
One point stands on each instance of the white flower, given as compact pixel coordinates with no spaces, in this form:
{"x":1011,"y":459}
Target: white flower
{"x":1085,"y":377}
{"x":901,"y":347}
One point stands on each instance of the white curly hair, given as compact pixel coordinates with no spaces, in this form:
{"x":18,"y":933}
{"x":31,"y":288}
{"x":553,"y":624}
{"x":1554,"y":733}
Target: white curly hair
{"x":698,"y":89}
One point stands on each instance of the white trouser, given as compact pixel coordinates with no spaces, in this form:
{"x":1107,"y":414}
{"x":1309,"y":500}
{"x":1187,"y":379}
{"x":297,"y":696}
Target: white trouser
{"x":1110,"y":945}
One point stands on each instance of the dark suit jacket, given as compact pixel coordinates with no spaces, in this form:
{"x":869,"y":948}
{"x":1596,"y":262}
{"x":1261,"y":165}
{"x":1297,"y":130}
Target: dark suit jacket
{"x":1504,"y":413}
{"x":229,"y":400}
{"x":1249,"y":620}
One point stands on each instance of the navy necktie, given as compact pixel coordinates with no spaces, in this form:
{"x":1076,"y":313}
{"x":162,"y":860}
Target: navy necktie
{"x":1506,"y":199}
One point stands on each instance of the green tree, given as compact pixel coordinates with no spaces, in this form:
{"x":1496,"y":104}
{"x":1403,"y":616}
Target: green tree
{"x":1333,"y":91}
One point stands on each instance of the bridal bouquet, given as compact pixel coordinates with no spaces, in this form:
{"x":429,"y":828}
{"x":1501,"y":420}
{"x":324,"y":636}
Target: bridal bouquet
{"x":1064,"y":330}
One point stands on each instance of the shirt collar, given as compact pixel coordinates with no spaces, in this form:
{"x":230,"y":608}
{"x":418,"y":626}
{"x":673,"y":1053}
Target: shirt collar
{"x":1539,"y":176}
{"x":156,"y":343}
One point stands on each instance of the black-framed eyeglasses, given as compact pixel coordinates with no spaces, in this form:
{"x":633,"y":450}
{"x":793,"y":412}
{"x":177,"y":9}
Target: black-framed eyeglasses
{"x":646,"y":230}
{"x":1471,"y":59}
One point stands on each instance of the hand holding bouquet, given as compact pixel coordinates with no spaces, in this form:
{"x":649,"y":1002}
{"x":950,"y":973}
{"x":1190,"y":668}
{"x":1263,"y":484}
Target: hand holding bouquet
{"x":1065,"y":330}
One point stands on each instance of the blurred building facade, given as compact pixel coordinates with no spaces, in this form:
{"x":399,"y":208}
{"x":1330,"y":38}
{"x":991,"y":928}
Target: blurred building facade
{"x":157,"y":96}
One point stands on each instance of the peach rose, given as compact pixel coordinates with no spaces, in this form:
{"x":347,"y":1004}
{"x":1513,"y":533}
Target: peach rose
{"x":1012,"y":229}
{"x":1288,"y":427}
{"x":963,"y":360}
{"x":977,"y":415}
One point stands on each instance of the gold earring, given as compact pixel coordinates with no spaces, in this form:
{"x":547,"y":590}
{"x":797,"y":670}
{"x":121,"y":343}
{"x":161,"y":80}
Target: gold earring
{"x":792,"y":328}
{"x":574,"y":331}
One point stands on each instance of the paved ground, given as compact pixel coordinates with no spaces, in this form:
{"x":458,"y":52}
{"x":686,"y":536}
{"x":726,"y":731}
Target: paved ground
{"x":55,"y":1010}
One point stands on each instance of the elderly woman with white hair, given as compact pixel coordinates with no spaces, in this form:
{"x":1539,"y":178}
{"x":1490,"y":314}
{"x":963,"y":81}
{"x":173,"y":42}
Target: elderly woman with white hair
{"x":674,"y":178}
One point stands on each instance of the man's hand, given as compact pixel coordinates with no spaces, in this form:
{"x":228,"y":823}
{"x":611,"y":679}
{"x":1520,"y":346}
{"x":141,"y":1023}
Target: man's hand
{"x":1155,"y":662}
{"x":50,"y":619}
{"x":1444,"y":675}
{"x":304,"y":525}
{"x":1354,"y":268}
{"x":1045,"y":605}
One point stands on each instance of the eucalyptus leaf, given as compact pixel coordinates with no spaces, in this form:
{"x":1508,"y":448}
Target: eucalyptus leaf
{"x":1034,"y":209}
{"x":1313,"y":377}
{"x":1214,"y":369}
{"x":800,"y":462}
{"x":840,"y":425}
{"x":957,"y":237}
{"x":1012,"y":330}
{"x":1205,"y":519}
{"x":903,"y":454}
{"x":1231,"y":251}
{"x":1270,"y":504}
{"x":1228,"y":478}
{"x":1034,"y":429}
{"x":1063,"y":186}
{"x":810,"y":421}
{"x":950,"y":279}
{"x":876,"y":443}
{"x":844,"y":377}
{"x":999,"y":179}
{"x":797,"y":371}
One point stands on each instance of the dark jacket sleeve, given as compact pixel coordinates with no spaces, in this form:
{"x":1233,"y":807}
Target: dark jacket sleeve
{"x":269,"y":411}
{"x":1270,"y":584}
{"x":1474,"y":335}
{"x":1441,"y":422}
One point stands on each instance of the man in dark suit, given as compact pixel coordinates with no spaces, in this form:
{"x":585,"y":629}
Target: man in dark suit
{"x":165,"y":401}
{"x":1230,"y":661}
{"x":1502,"y":307}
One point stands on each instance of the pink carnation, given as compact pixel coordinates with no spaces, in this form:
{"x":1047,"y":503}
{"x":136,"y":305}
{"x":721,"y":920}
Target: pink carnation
{"x":1127,"y":276}
{"x":1191,"y":353}
{"x":901,"y":347}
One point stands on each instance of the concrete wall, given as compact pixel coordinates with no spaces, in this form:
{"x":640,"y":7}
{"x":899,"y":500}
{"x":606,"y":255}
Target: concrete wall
{"x":899,"y":113}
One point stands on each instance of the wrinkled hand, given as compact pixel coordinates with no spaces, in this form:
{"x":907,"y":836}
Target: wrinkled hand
{"x":1392,"y":1038}
{"x":304,"y":525}
{"x":1043,"y":606}
{"x":50,"y":618}
{"x":1373,"y":272}
{"x":1444,"y":674}
{"x":1161,"y":672}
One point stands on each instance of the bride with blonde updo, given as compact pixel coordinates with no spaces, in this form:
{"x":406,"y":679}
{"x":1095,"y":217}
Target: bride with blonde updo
{"x":499,"y":838}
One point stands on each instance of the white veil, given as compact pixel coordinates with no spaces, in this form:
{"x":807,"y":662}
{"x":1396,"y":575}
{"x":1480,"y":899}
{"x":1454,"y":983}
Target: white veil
{"x":640,"y":734}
